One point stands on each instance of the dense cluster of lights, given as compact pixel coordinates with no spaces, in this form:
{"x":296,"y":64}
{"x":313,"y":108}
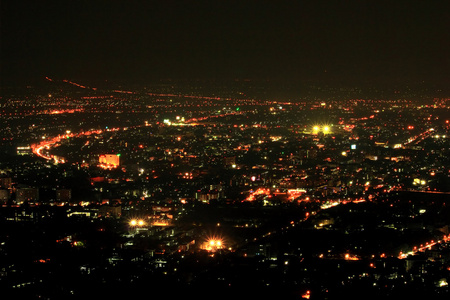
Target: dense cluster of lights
{"x":259,"y":191}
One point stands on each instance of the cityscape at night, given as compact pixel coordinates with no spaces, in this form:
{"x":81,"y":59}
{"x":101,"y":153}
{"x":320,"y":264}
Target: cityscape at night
{"x":219,"y":149}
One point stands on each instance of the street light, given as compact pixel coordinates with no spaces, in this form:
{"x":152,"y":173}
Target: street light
{"x":316,"y":129}
{"x":135,"y":222}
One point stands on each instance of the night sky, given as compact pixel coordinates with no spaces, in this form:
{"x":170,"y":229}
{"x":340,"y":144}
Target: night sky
{"x":342,"y":42}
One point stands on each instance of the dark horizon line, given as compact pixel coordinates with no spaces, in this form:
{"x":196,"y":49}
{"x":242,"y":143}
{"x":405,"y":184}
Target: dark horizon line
{"x":36,"y":80}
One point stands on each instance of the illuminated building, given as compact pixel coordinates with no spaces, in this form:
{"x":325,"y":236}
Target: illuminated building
{"x":206,"y":196}
{"x":109,"y":160}
{"x":24,"y":150}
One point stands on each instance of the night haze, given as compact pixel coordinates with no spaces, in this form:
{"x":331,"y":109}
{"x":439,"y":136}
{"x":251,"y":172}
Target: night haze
{"x":224,"y":149}
{"x":330,"y":42}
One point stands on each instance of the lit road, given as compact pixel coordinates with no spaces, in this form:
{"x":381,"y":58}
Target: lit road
{"x":424,"y":247}
{"x":418,"y":138}
{"x":325,"y":206}
{"x":50,"y":142}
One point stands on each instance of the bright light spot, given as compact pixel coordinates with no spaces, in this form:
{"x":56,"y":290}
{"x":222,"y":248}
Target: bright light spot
{"x":306,"y":295}
{"x":133,"y":222}
{"x":140,"y":222}
{"x":326,"y":129}
{"x":213,"y":244}
{"x":443,"y":282}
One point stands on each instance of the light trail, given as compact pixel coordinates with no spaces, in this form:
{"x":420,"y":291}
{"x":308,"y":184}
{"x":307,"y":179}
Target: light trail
{"x":48,"y":143}
{"x":423,"y":247}
{"x":419,"y":137}
{"x":172,"y":95}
